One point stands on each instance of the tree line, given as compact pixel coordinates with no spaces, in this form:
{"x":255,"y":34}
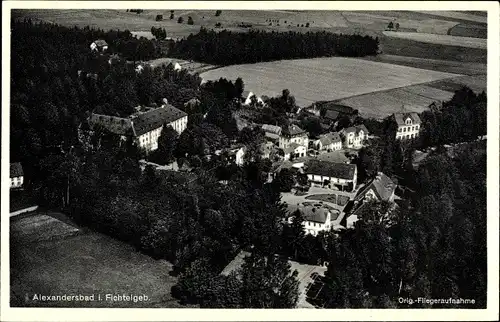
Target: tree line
{"x":227,"y":48}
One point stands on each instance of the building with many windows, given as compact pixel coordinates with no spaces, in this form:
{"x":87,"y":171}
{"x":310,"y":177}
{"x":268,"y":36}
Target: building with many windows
{"x":293,"y":134}
{"x":409,"y":125}
{"x":145,"y":126}
{"x":354,"y":136}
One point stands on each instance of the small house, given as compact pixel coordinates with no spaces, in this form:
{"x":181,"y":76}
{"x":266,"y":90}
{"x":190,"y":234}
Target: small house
{"x":328,"y":142}
{"x":409,"y":125}
{"x":99,"y":45}
{"x":16,"y":175}
{"x":354,"y":136}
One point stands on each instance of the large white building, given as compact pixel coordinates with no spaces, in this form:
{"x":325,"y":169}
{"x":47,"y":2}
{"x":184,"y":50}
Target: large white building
{"x":316,"y":219}
{"x":293,"y":134}
{"x":339,"y":176}
{"x":354,"y":136}
{"x":145,"y":126}
{"x":408,"y":125}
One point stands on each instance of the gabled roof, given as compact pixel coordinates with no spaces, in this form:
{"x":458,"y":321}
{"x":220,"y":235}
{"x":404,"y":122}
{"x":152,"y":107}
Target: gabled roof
{"x":101,"y":42}
{"x":16,"y":170}
{"x":332,"y":106}
{"x":140,"y":123}
{"x":331,"y":115}
{"x":311,"y":213}
{"x":330,"y":138}
{"x":293,"y":130}
{"x":400,"y":118}
{"x":331,"y":169}
{"x":381,"y":185}
{"x":271,"y":128}
{"x":355,"y":129}
{"x":334,"y":156}
{"x":291,"y":148}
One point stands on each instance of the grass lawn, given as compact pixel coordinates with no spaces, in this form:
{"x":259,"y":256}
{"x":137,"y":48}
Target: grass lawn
{"x":51,"y":258}
{"x":468,"y":42}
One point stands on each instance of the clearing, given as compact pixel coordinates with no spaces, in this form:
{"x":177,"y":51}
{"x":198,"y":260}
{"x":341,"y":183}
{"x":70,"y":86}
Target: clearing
{"x":468,"y":42}
{"x":317,"y":79}
{"x":52,"y":257}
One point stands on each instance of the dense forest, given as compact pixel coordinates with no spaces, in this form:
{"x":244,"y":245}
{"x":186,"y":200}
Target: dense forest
{"x":228,"y":48}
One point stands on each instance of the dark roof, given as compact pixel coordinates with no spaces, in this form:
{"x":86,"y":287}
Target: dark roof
{"x":330,"y":138}
{"x":334,"y":156}
{"x":401,"y":117}
{"x":382,"y":185}
{"x":332,"y":106}
{"x":331,"y":169}
{"x":291,"y":148}
{"x":311,"y":213}
{"x":293,"y":130}
{"x":148,"y":121}
{"x":16,"y":170}
{"x":101,"y":42}
{"x":274,"y":129}
{"x":140,"y":123}
{"x":331,"y":115}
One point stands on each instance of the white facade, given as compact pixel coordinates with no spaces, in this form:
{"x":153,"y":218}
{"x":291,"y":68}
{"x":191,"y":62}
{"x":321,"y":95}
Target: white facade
{"x":408,"y":130}
{"x":94,"y":47}
{"x":149,"y":140}
{"x":313,"y":228}
{"x":353,"y":140}
{"x":334,"y":146}
{"x":285,"y":142}
{"x":177,"y":67}
{"x":299,"y":151}
{"x":239,"y":156}
{"x":16,"y":182}
{"x":321,"y":179}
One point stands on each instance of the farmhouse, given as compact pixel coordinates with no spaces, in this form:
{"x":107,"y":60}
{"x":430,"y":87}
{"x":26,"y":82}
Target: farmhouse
{"x":333,"y":175}
{"x":145,"y":126}
{"x":408,"y":125}
{"x":16,"y":175}
{"x":381,"y":188}
{"x":328,"y":142}
{"x":316,"y":219}
{"x":354,"y":136}
{"x":99,"y":45}
{"x":272,"y":132}
{"x":177,"y":67}
{"x":334,"y":110}
{"x":294,"y":150}
{"x":293,"y":134}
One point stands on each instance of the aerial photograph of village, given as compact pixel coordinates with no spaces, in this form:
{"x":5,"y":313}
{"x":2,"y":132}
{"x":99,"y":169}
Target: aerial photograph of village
{"x":248,"y":159}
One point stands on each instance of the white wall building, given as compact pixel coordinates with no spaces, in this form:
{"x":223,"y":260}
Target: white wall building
{"x":144,"y":127}
{"x":409,"y":125}
{"x":316,"y":219}
{"x":354,"y":136}
{"x":293,"y":134}
{"x":99,"y":45}
{"x":339,"y":176}
{"x":294,"y":150}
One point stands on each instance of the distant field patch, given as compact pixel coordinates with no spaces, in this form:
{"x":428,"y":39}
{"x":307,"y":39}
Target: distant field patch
{"x":459,"y":15}
{"x":477,"y":83}
{"x":441,"y":65}
{"x":465,"y":30}
{"x":468,"y":42}
{"x":415,"y":98}
{"x":332,"y":78}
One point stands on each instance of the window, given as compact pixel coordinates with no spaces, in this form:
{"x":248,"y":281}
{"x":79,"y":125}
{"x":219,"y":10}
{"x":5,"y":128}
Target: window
{"x":416,"y":127}
{"x":404,"y":129}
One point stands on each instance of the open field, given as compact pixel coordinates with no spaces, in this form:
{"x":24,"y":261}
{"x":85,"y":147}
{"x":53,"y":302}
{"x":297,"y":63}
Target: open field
{"x":53,"y":258}
{"x":381,"y":104}
{"x":466,"y":30}
{"x":460,"y":15}
{"x":468,"y":42}
{"x":440,"y":65}
{"x":413,"y":48}
{"x":318,"y":79}
{"x":477,"y":83}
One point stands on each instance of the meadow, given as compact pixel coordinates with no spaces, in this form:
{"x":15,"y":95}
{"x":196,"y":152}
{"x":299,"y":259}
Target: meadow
{"x":468,"y":42}
{"x":52,"y":257}
{"x":330,"y":78}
